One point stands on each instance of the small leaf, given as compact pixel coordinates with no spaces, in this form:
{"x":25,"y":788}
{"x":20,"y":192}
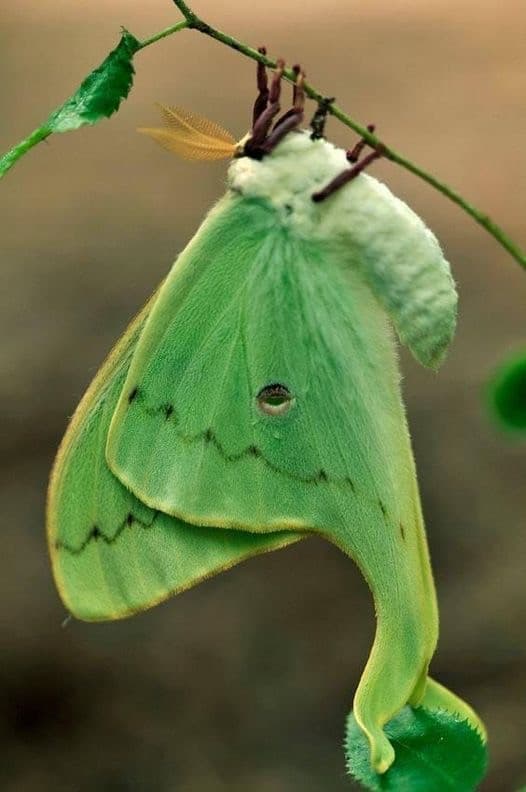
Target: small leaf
{"x":101,"y":93}
{"x":435,"y":752}
{"x":507,"y":394}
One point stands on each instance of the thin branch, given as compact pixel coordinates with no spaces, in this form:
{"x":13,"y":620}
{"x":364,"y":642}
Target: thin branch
{"x":194,"y":22}
{"x":187,"y":12}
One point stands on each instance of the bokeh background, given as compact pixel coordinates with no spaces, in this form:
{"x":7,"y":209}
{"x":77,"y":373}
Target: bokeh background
{"x":244,"y":682}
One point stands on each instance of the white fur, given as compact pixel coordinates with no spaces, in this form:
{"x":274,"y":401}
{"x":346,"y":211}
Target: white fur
{"x":287,"y":178}
{"x":399,"y":255}
{"x":299,"y":167}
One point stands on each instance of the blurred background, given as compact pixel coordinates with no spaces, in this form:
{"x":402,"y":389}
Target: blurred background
{"x":244,"y":683}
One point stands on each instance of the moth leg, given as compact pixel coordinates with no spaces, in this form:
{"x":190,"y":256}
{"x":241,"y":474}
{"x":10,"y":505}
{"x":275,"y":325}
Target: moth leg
{"x":298,"y":98}
{"x":262,"y":126}
{"x":319,"y":119}
{"x":291,"y":119}
{"x":347,"y":176}
{"x":262,"y":84}
{"x":298,"y":90}
{"x":353,"y":155}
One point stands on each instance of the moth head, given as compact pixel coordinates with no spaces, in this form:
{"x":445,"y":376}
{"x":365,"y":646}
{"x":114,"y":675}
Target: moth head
{"x":193,"y":137}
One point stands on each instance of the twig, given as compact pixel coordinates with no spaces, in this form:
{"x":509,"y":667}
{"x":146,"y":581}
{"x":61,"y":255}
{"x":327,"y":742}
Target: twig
{"x":196,"y":23}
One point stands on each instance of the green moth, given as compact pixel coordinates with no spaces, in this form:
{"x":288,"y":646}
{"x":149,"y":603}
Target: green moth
{"x":255,"y":401}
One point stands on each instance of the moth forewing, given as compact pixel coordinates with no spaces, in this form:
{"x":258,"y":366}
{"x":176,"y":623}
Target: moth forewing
{"x":111,"y":555}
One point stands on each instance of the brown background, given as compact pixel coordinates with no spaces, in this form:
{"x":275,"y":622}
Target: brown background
{"x":244,"y":682}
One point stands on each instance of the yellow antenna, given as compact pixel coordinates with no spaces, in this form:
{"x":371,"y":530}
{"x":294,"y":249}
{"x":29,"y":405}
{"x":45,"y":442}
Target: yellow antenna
{"x":192,"y":136}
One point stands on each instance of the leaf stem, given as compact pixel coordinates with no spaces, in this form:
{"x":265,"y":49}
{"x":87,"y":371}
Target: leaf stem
{"x":163,"y":33}
{"x":194,"y":22}
{"x":14,"y":154}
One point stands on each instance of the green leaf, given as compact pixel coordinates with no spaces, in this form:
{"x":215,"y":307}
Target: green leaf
{"x":435,"y":752}
{"x":507,"y":394}
{"x":101,"y":93}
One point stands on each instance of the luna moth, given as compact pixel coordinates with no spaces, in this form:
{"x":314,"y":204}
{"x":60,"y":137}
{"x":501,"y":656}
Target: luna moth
{"x":255,"y":401}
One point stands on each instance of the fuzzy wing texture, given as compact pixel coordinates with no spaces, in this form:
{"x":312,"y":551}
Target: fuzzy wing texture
{"x":112,"y":555}
{"x":248,"y":305}
{"x":405,"y":268}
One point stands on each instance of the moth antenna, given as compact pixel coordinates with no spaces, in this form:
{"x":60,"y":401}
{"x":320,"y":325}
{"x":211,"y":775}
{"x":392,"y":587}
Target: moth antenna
{"x":262,"y":86}
{"x":347,"y":175}
{"x":353,"y":154}
{"x":191,"y":136}
{"x":319,"y":119}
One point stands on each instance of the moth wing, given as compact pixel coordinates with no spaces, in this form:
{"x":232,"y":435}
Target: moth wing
{"x":405,"y":268}
{"x":247,"y":306}
{"x":264,"y":395}
{"x":112,"y":555}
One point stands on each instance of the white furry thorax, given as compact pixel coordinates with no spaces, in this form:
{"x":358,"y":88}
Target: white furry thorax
{"x":367,"y":226}
{"x":288,"y":176}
